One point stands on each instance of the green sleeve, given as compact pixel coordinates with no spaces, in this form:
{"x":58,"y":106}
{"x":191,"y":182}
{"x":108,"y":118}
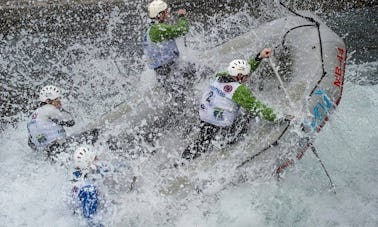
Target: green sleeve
{"x":254,"y":63}
{"x":221,"y":74}
{"x":243,"y":97}
{"x":162,"y":31}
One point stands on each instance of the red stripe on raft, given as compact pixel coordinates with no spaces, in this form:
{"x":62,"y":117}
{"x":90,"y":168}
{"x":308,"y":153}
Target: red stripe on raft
{"x":291,"y":161}
{"x":322,"y":124}
{"x":342,"y":78}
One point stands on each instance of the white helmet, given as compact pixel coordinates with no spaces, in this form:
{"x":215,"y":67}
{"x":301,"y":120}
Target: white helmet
{"x":239,"y":66}
{"x":49,"y":92}
{"x":155,"y":7}
{"x":84,"y":157}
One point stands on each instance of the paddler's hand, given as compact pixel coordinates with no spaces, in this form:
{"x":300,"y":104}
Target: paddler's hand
{"x":265,"y":53}
{"x":181,"y":12}
{"x":288,"y":117}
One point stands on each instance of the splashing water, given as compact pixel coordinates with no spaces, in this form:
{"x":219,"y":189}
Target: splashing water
{"x":97,"y":76}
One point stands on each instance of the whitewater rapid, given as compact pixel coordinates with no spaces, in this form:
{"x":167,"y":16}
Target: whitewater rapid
{"x":34,"y":191}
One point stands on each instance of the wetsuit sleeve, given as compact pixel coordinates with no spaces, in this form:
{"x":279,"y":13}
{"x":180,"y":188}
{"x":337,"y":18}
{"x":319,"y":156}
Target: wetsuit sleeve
{"x":220,"y":74}
{"x":243,"y":97}
{"x":255,"y":62}
{"x":31,"y":144}
{"x":162,"y":31}
{"x":68,"y":120}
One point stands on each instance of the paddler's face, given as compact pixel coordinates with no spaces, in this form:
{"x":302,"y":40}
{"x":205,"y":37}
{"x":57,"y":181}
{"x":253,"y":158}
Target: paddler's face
{"x":242,"y":78}
{"x":57,"y":103}
{"x":164,"y":15}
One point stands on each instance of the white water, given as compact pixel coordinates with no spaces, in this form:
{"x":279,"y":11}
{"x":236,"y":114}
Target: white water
{"x":348,"y":147}
{"x":33,"y":191}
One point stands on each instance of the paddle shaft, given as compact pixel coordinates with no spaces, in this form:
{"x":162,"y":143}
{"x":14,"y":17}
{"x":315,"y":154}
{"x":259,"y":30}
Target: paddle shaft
{"x":271,"y":63}
{"x":324,"y":168}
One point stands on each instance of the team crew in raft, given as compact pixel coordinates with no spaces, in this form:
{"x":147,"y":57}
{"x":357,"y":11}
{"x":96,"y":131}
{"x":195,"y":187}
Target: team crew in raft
{"x":85,"y":193}
{"x":220,"y":103}
{"x":46,"y":124}
{"x":159,"y":43}
{"x":93,"y":173}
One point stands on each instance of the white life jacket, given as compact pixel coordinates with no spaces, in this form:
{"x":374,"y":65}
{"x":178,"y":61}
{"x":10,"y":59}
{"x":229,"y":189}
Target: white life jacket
{"x":217,"y":106}
{"x":41,"y":127}
{"x":160,"y":53}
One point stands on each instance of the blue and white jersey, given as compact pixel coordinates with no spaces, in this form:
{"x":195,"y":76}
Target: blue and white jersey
{"x":161,"y":53}
{"x":85,"y":195}
{"x":217,"y":106}
{"x":94,"y":175}
{"x":43,"y":125}
{"x":79,"y":181}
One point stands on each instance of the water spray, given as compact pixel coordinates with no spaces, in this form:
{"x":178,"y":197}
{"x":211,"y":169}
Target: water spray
{"x":271,"y":63}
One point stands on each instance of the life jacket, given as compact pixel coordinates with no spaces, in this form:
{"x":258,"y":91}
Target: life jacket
{"x":217,"y":106}
{"x":161,"y":53}
{"x":42,"y":130}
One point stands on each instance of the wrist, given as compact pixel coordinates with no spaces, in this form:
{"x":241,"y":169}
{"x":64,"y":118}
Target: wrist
{"x":258,"y":57}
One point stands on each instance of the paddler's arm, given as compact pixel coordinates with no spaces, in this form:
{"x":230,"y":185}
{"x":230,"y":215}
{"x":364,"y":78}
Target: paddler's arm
{"x":162,"y":31}
{"x":220,"y":74}
{"x":255,"y":62}
{"x":60,"y":116}
{"x":243,"y":97}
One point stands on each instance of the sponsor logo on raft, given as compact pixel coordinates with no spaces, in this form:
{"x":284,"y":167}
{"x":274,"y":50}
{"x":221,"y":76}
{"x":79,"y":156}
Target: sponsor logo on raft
{"x":339,"y":71}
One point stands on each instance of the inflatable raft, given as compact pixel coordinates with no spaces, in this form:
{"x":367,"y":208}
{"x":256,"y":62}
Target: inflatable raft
{"x":304,"y":78}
